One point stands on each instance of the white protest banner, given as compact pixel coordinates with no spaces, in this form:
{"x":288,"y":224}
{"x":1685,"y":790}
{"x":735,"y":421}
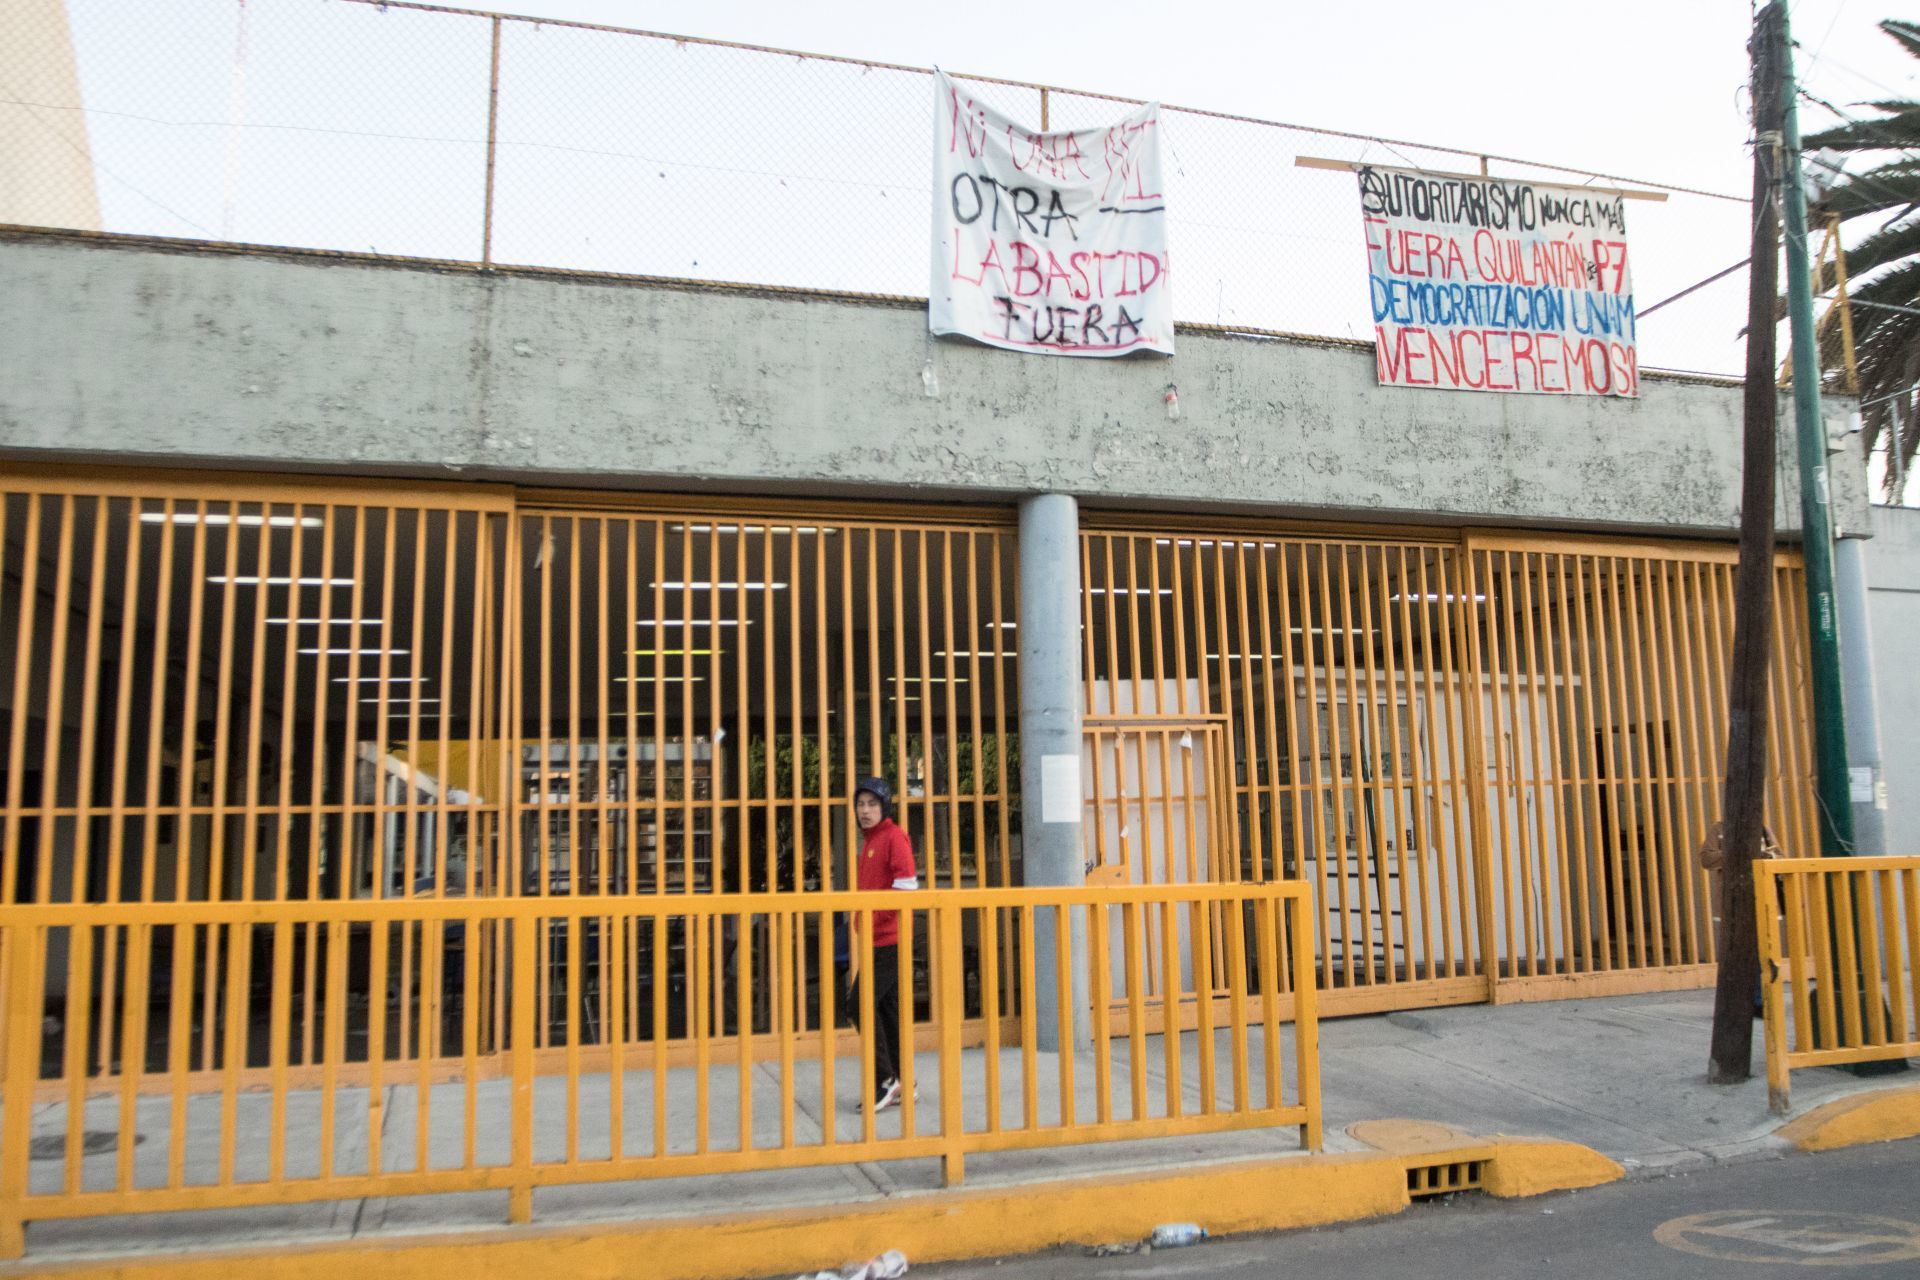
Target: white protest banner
{"x":1053,"y":243}
{"x":1492,"y":284}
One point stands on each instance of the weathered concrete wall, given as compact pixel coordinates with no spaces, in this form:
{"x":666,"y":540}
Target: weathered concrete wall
{"x":1893,"y":597}
{"x":142,"y":352}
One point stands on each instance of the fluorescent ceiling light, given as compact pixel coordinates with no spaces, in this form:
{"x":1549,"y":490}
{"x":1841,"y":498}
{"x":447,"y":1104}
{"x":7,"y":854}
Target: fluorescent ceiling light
{"x":984,"y":653}
{"x":419,"y":702}
{"x":688,"y":622}
{"x":1004,"y":626}
{"x":1436,"y":597}
{"x":216,"y":518}
{"x":251,"y":581}
{"x":380,"y":679}
{"x":678,"y":653}
{"x":1208,"y":542}
{"x":721,"y":586}
{"x":1132,"y":591}
{"x":751,"y":528}
{"x":317,"y":650}
{"x":668,"y":680}
{"x":332,"y":622}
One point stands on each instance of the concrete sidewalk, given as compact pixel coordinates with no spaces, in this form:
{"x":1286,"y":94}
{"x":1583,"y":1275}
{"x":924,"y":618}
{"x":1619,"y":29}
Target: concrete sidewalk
{"x":1624,"y":1076}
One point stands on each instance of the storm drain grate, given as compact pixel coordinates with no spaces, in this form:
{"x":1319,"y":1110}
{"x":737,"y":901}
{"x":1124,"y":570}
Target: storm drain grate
{"x":1444,"y":1179}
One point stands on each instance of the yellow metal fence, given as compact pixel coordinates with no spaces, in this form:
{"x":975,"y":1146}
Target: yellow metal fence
{"x":1839,"y":962}
{"x":183,"y":1092}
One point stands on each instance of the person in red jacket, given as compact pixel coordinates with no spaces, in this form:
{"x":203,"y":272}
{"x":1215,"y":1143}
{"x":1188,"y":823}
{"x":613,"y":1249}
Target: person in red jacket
{"x":885,"y":862}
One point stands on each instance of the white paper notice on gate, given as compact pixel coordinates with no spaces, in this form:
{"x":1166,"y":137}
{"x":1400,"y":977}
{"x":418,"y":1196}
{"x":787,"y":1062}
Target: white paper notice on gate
{"x":1499,"y":284}
{"x":1051,"y":243}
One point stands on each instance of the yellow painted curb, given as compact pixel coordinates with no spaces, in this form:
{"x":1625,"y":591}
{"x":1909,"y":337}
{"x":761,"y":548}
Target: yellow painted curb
{"x":1262,"y":1196}
{"x":1267,"y":1195}
{"x":1885,"y":1115}
{"x":1511,"y":1166}
{"x":1535,"y":1166}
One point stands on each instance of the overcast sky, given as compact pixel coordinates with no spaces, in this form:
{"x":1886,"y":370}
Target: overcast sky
{"x":354,"y":128}
{"x":1652,"y":88}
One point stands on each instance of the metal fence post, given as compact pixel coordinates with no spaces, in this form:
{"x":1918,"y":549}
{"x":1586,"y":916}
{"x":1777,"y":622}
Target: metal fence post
{"x":949,"y":920}
{"x":1765,"y":895}
{"x":520,"y":1197}
{"x":1306,"y":1013}
{"x":20,"y":944}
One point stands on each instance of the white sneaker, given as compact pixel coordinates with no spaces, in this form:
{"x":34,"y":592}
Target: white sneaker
{"x":889,"y":1096}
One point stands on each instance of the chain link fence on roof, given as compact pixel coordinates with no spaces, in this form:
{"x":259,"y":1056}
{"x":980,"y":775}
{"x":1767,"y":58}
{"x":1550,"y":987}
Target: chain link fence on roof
{"x":467,"y":136}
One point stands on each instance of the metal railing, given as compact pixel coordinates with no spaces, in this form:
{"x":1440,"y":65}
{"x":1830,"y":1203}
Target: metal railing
{"x":698,"y":1066}
{"x":1839,"y":962}
{"x":471,"y":136}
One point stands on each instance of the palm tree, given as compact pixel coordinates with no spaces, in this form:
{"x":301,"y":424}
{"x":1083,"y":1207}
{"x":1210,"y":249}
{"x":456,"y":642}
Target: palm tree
{"x":1884,"y":265}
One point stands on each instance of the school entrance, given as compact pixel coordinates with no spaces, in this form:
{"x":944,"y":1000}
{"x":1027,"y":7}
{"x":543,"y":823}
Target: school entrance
{"x":1489,"y":756}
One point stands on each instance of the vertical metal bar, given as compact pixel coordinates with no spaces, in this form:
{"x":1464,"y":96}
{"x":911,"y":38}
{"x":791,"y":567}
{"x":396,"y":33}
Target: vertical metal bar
{"x":236,"y":1020}
{"x":1170,"y":1020}
{"x":1644,"y":764}
{"x":929,"y":809}
{"x":74,"y":1068}
{"x":1132,"y":921}
{"x":952,"y":727}
{"x":1442,"y":696}
{"x":990,"y":1008}
{"x":659,"y":937}
{"x":1367,"y":748}
{"x":1775,"y":1026}
{"x":1200,"y":947}
{"x":178,"y":1048}
{"x":1689,"y":629}
{"x":1270,"y":968}
{"x":1676,"y":861}
{"x":1029,"y":1031}
{"x":1064,"y":1010}
{"x":1622,"y":715}
{"x":1100,"y":976}
{"x":1409,"y":784}
{"x":1553,"y":874}
{"x":1344,"y":788}
{"x":52,"y":756}
{"x":828,"y":1003}
{"x":947,"y":926}
{"x":1464,"y":596}
{"x":1795,"y":885}
{"x":24,"y":944}
{"x":862,"y":938}
{"x":1236,"y":951}
{"x":787,"y":997}
{"x":1273,"y":702}
{"x":1576,"y":888}
{"x":1306,"y":1019}
{"x":279,"y":1036}
{"x":24,"y":665}
{"x":520,"y":1189}
{"x":905,"y":1031}
{"x":976,"y":723}
{"x":1004,"y":775}
{"x":1311,"y":660}
{"x":743,"y":1012}
{"x":1503,"y":661}
{"x":84,"y":802}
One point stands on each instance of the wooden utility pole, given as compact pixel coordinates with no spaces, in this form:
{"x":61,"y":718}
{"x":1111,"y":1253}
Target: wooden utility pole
{"x":1731,"y":1056}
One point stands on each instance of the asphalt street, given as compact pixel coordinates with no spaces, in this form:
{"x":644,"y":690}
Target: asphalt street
{"x":1845,"y":1213}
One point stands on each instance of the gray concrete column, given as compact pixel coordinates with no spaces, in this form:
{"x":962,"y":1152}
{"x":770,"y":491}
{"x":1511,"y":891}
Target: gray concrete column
{"x":1051,"y":694}
{"x":1868,"y":787}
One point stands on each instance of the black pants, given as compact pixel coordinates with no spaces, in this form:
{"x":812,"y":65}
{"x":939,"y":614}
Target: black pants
{"x":886,"y":1011}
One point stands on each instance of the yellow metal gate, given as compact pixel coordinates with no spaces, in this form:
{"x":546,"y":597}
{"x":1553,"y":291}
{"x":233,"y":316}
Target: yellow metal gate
{"x":1491,"y":756}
